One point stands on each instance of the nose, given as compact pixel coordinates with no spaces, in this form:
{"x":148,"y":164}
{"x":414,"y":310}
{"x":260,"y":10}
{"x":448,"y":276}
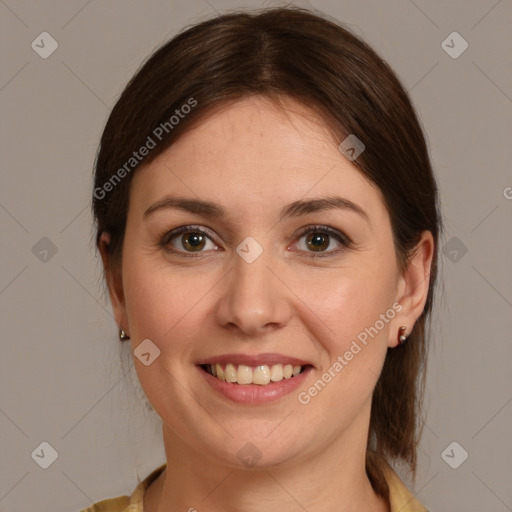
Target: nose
{"x":254,"y":300}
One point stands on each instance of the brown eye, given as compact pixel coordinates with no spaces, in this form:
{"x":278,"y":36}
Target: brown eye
{"x":187,"y":239}
{"x":317,"y":242}
{"x":319,"y":238}
{"x":193,"y":241}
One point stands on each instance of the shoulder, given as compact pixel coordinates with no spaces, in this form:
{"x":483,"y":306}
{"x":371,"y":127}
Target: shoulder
{"x":400,"y":498}
{"x":131,"y":503}
{"x":119,"y":504}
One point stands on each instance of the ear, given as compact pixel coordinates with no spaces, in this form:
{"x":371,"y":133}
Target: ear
{"x":413,"y":286}
{"x":114,"y":283}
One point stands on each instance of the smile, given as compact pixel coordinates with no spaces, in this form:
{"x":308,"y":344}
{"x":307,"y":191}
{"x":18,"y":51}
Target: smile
{"x":261,"y":375}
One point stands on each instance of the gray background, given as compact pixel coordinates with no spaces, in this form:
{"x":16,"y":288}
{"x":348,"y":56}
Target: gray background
{"x":62,"y":380}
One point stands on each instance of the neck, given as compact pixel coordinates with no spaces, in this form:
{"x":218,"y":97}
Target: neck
{"x":334,"y":479}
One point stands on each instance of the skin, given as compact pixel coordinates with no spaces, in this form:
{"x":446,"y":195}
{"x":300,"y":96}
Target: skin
{"x":253,"y":159}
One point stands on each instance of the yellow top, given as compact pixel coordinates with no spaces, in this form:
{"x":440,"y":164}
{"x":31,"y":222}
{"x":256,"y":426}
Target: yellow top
{"x":400,"y":497}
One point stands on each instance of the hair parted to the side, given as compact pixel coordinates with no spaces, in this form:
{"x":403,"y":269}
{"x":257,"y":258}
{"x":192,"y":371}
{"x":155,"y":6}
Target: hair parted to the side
{"x":297,"y":53}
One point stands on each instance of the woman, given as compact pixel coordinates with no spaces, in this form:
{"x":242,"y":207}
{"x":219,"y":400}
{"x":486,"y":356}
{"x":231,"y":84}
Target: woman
{"x":268,"y":220}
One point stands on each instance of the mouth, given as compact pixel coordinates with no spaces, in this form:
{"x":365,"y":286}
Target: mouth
{"x":261,"y":375}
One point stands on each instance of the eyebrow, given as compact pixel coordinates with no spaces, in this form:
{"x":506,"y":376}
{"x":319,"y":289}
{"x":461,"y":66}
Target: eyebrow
{"x":295,"y":209}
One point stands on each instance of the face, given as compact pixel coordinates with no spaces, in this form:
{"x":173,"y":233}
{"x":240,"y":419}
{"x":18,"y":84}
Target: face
{"x":279,"y":278}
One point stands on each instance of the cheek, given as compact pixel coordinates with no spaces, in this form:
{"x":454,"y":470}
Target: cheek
{"x":348,"y":314}
{"x":150,"y":307}
{"x":346,"y":302}
{"x":163,"y":303}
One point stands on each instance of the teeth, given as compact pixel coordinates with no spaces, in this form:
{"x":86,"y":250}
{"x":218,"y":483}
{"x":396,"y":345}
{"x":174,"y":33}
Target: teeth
{"x":261,"y":375}
{"x":244,"y":374}
{"x":276,"y":373}
{"x":230,"y":373}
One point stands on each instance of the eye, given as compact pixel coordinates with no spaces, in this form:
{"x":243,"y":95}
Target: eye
{"x":190,"y":238}
{"x":319,"y":238}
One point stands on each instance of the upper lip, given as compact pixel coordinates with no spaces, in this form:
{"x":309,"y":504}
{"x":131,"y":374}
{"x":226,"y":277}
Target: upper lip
{"x":254,"y":360}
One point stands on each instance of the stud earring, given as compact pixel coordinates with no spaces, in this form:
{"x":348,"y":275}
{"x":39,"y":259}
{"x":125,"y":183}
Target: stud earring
{"x":123,"y":336}
{"x":401,"y":335}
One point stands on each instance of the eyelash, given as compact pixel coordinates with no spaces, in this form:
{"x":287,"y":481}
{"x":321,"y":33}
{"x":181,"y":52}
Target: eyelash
{"x":342,"y":238}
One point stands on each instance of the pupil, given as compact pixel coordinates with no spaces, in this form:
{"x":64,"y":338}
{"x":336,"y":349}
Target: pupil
{"x":193,"y":240}
{"x":317,"y":241}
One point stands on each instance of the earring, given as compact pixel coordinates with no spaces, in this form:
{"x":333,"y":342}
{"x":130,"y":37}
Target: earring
{"x":401,"y":335}
{"x":123,"y":336}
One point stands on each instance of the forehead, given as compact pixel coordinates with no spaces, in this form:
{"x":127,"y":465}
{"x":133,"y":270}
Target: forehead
{"x":255,"y":155}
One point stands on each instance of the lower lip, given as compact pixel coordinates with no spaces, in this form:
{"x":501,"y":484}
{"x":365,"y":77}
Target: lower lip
{"x":254,"y":393}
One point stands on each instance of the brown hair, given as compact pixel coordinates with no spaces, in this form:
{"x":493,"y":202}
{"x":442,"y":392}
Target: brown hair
{"x":296,"y":53}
